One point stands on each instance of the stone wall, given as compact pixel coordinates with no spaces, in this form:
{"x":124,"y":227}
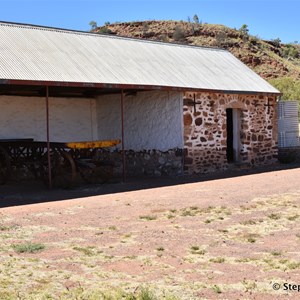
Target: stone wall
{"x":205,"y":131}
{"x":147,"y":162}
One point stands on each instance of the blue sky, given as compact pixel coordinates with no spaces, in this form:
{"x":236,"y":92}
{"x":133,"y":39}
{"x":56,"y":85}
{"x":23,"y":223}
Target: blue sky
{"x":269,"y":19}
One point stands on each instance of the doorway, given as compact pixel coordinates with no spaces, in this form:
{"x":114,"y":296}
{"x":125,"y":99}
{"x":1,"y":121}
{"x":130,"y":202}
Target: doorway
{"x":233,"y":134}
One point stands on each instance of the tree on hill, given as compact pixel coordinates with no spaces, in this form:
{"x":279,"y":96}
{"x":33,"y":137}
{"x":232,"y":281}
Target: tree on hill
{"x":277,"y":42}
{"x":196,"y":19}
{"x":244,"y":30}
{"x":93,"y":25}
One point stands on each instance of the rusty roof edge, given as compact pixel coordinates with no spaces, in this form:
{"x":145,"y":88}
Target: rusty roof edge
{"x":129,"y":86}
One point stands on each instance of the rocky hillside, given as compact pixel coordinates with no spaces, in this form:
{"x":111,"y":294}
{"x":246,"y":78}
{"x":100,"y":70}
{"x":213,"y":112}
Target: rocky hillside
{"x":270,"y":59}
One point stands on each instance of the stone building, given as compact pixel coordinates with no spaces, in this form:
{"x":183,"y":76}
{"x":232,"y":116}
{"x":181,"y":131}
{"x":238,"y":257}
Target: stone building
{"x":177,"y":108}
{"x":226,"y":128}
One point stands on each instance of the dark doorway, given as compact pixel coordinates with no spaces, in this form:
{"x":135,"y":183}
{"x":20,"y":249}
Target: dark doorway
{"x":230,"y":151}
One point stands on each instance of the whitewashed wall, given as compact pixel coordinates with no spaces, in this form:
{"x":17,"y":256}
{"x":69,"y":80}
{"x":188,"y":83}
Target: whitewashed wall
{"x":71,"y":119}
{"x":152,"y":120}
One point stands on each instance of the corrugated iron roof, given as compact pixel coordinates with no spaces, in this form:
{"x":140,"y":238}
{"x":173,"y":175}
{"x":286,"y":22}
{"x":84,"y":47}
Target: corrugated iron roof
{"x":34,"y":53}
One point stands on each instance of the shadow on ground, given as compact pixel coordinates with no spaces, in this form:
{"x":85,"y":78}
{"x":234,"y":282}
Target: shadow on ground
{"x":31,"y":192}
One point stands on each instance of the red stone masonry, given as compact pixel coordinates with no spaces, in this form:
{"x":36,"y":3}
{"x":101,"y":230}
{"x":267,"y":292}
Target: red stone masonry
{"x":205,"y":130}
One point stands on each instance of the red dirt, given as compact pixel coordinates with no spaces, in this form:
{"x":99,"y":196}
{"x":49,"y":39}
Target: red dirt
{"x":247,"y":228}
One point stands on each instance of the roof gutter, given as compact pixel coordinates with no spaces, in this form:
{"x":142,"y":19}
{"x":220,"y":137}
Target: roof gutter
{"x":126,"y":86}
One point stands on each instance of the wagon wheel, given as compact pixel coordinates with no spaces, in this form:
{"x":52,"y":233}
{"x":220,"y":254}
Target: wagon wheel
{"x":63,"y":169}
{"x":4,"y":166}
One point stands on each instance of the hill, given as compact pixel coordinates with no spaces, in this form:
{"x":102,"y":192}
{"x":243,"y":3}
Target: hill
{"x":270,"y":59}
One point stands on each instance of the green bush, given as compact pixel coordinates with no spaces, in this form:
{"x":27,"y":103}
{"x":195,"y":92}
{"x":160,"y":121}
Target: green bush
{"x":105,"y":30}
{"x":276,"y":42}
{"x":289,"y":87}
{"x":290,"y":52}
{"x":28,"y":247}
{"x":244,"y":31}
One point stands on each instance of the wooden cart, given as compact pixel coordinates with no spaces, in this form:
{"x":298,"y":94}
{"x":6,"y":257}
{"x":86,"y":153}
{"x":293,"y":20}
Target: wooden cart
{"x":68,"y":160}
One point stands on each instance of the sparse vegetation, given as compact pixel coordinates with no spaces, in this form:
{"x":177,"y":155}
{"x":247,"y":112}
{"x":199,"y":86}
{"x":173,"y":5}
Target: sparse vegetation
{"x":170,"y":216}
{"x":217,"y":289}
{"x":148,"y":217}
{"x":244,"y":31}
{"x":197,"y":250}
{"x":28,"y":247}
{"x":293,"y":218}
{"x":105,"y":30}
{"x":251,"y":239}
{"x":7,"y":227}
{"x":106,"y":258}
{"x":289,"y":87}
{"x":145,"y":29}
{"x":274,"y":216}
{"x":290,"y":52}
{"x":217,"y":260}
{"x":178,"y":34}
{"x":88,"y":251}
{"x":277,"y":42}
{"x":276,"y":253}
{"x":249,"y":222}
{"x":113,"y":227}
{"x":221,"y":39}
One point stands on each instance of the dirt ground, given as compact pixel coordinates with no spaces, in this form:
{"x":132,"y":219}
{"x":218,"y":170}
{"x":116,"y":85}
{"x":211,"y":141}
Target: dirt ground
{"x":197,"y":238}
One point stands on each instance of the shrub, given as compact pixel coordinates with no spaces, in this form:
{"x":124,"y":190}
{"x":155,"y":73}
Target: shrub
{"x":105,"y":30}
{"x":276,"y":42}
{"x":289,"y":87}
{"x":148,"y":218}
{"x":290,"y":52}
{"x":244,"y":31}
{"x":28,"y":247}
{"x":221,"y":39}
{"x":178,"y":34}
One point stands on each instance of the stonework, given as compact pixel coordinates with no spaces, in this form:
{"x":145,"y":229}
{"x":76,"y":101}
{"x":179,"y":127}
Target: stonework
{"x":205,"y":130}
{"x":166,"y":133}
{"x":147,"y":162}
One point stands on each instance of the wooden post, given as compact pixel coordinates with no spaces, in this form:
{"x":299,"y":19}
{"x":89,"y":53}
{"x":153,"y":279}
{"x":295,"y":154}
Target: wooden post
{"x":123,"y":146}
{"x":48,"y":139}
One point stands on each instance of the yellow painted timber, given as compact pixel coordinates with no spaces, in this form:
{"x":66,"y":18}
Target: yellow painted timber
{"x":92,"y":145}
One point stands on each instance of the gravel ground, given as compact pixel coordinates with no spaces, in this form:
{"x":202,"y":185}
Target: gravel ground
{"x":215,"y":237}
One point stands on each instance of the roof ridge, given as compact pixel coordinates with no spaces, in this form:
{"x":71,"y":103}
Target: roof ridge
{"x":74,"y":31}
